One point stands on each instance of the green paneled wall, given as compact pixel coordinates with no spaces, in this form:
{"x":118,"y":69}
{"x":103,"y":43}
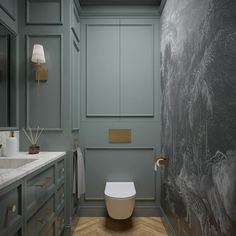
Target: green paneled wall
{"x":120,"y":88}
{"x":49,"y":104}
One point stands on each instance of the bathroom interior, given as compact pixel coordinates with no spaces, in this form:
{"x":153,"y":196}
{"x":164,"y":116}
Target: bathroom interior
{"x":117,"y":117}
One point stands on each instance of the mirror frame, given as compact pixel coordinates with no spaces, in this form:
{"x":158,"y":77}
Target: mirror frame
{"x":17,"y":79}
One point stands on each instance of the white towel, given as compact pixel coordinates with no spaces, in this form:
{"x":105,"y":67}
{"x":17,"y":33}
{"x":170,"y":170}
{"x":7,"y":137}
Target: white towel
{"x":78,"y":173}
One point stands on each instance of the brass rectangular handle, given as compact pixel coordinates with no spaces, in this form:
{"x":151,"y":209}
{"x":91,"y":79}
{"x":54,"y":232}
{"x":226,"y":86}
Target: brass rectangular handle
{"x":49,"y":210}
{"x":45,"y":182}
{"x":41,"y":221}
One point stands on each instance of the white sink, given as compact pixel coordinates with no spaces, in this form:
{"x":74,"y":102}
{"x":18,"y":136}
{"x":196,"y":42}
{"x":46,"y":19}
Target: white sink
{"x":12,"y":163}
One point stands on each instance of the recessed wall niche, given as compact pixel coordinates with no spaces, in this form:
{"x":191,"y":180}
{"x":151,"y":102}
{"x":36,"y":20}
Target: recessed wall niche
{"x":52,"y":12}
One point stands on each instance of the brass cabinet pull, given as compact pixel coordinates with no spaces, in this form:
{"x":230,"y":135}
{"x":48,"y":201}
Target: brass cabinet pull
{"x":12,"y":208}
{"x":41,"y":221}
{"x":63,"y":170}
{"x":45,"y":183}
{"x":62,"y":195}
{"x":61,"y":220}
{"x":49,"y":210}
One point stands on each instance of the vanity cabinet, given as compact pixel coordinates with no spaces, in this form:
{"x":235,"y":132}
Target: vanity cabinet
{"x":39,"y":188}
{"x":44,"y":215}
{"x":10,"y":209}
{"x":35,"y":205}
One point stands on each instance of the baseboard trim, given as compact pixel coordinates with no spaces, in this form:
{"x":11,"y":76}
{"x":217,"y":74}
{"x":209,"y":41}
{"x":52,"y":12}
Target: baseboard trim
{"x":96,"y":211}
{"x":147,"y":211}
{"x":169,"y":228}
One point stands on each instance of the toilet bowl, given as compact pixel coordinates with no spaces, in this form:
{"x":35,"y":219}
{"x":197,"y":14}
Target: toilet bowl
{"x":120,"y":199}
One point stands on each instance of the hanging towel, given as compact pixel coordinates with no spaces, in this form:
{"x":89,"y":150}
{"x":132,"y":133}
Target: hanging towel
{"x":78,"y":173}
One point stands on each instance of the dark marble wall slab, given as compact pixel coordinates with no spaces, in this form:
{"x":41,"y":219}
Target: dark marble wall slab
{"x":199,"y":116}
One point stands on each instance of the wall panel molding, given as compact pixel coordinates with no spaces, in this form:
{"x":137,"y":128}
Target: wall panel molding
{"x":120,"y":12}
{"x":75,"y":48}
{"x":121,"y":148}
{"x":28,"y":61}
{"x":120,"y":113}
{"x":42,"y":22}
{"x":75,"y":27}
{"x":10,"y":12}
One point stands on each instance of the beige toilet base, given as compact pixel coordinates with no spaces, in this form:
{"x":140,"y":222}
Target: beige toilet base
{"x":120,"y":209}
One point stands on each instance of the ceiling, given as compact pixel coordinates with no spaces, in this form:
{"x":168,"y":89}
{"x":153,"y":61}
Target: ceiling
{"x":120,"y":2}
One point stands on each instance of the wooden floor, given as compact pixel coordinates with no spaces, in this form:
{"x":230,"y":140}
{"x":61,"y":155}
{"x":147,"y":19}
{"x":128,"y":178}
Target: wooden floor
{"x":136,"y":226}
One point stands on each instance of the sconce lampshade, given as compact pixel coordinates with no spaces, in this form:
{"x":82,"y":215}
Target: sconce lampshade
{"x":38,"y":54}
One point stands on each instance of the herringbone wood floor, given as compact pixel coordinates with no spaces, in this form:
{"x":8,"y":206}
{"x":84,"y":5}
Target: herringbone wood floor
{"x":136,"y":226}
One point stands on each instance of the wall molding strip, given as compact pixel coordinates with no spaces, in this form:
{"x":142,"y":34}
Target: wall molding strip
{"x":87,"y":148}
{"x":27,"y":38}
{"x":123,"y":115}
{"x":119,"y":12}
{"x":75,"y":44}
{"x":8,"y":13}
{"x":27,"y":16}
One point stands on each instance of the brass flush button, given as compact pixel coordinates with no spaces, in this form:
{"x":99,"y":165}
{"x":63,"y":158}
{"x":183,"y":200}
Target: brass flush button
{"x":119,"y":135}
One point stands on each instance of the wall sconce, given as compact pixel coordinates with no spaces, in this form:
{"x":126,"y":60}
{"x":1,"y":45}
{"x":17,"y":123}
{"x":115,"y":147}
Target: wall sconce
{"x":39,"y":58}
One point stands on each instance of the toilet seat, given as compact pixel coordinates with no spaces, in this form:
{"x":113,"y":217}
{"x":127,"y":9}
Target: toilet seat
{"x":120,"y":189}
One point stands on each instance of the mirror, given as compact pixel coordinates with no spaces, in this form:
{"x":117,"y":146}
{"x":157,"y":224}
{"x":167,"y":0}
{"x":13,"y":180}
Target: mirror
{"x":8,"y":84}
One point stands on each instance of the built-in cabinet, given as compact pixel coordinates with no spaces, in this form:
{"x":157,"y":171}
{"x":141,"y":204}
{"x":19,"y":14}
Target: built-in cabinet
{"x":35,"y":205}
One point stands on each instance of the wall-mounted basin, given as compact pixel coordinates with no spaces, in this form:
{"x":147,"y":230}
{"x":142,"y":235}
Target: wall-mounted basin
{"x":10,"y":163}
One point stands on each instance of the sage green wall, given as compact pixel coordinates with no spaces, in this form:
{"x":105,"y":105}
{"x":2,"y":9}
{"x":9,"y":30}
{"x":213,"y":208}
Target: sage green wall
{"x":125,"y":93}
{"x":65,"y":106}
{"x":49,"y":104}
{"x":54,"y":104}
{"x":8,"y":14}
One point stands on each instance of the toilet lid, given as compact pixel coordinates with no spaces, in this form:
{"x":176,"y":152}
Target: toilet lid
{"x":120,"y":189}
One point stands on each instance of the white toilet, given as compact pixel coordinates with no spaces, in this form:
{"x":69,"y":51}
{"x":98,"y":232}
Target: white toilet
{"x":120,"y":199}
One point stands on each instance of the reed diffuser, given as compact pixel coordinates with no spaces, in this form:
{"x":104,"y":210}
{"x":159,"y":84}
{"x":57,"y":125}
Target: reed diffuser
{"x":34,"y":147}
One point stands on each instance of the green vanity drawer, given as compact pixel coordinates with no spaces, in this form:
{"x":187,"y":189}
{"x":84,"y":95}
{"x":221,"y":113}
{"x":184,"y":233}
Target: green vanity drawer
{"x":61,"y":170}
{"x":60,"y":197}
{"x":18,"y":233}
{"x":37,"y":222}
{"x":50,"y":231}
{"x":39,"y":188}
{"x":10,"y":208}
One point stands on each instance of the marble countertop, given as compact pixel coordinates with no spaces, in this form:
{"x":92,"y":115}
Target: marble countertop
{"x":9,"y":176}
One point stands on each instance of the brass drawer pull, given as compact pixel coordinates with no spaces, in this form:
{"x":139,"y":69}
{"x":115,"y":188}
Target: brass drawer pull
{"x":49,"y":210}
{"x":45,"y":183}
{"x":62,"y":195}
{"x":61,"y":220}
{"x":41,"y":221}
{"x":11,"y":208}
{"x":63,"y":170}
